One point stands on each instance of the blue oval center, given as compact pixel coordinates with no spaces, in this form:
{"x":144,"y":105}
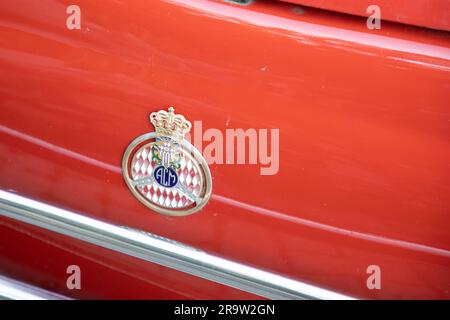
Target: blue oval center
{"x":166,"y":177}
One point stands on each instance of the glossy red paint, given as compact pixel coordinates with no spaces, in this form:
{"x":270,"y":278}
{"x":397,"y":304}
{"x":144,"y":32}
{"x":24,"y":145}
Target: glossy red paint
{"x":364,"y":140}
{"x":104,"y":274}
{"x":426,"y":13}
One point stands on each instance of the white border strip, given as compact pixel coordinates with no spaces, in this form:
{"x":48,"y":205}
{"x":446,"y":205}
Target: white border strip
{"x":14,"y":290}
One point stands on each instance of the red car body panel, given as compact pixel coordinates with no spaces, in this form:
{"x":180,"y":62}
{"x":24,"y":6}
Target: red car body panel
{"x":364,"y":142}
{"x":425,"y":13}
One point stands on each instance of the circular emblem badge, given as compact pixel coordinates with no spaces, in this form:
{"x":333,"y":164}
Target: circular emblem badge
{"x":165,"y":172}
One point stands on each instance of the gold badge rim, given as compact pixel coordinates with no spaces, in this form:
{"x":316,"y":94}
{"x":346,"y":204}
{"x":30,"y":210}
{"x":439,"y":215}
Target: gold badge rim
{"x":197,"y":155}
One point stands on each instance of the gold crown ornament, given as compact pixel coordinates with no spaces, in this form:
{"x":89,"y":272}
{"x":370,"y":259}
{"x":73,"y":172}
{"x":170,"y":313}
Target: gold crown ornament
{"x":170,"y":125}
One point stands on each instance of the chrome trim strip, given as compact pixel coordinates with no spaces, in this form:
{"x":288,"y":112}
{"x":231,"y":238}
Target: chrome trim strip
{"x":15,"y":290}
{"x":159,"y":250}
